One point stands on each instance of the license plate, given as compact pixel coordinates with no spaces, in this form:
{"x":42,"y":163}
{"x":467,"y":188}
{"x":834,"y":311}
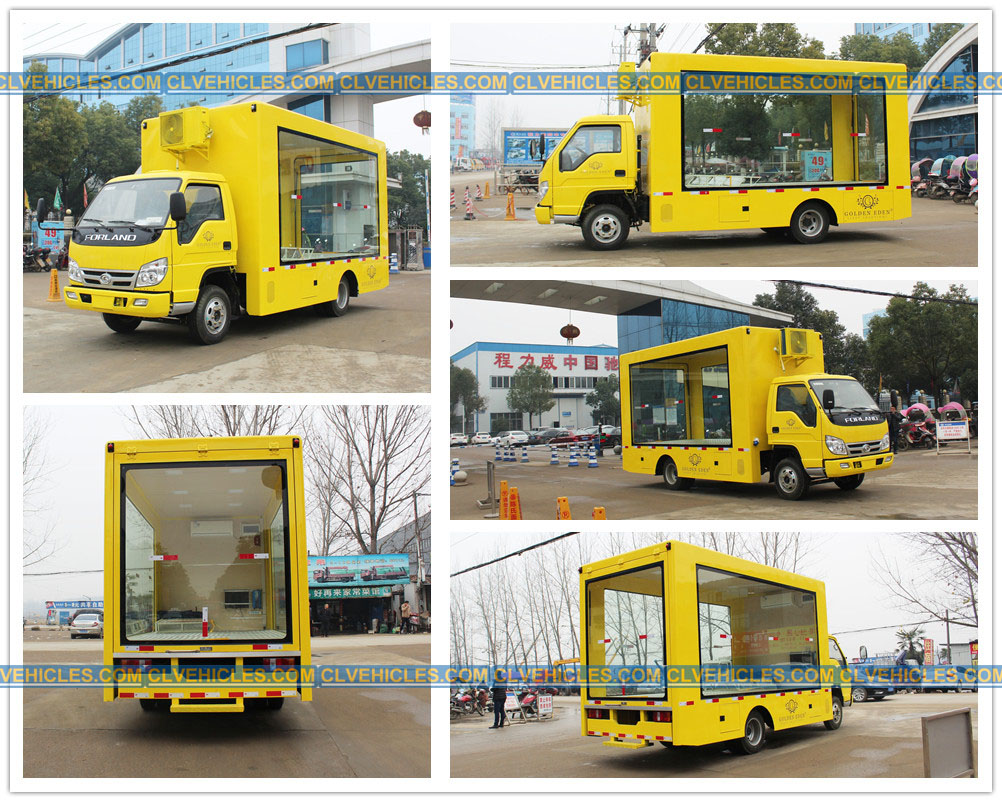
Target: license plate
{"x":121,"y":301}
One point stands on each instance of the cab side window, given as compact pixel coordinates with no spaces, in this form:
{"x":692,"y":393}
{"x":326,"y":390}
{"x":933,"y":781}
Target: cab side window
{"x":587,"y":141}
{"x":796,"y":399}
{"x":204,"y":202}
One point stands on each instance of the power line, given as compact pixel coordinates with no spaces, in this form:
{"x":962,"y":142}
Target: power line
{"x":911,"y":624}
{"x":514,"y":553}
{"x":937,"y":299}
{"x":709,"y":36}
{"x":529,"y":66}
{"x":63,"y":573}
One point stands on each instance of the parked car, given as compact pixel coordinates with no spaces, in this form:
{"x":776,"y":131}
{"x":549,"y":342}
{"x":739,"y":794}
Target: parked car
{"x":512,"y":438}
{"x":481,"y":439}
{"x":544,"y":436}
{"x":611,"y":435}
{"x":533,"y":436}
{"x":457,"y":439}
{"x":88,"y":625}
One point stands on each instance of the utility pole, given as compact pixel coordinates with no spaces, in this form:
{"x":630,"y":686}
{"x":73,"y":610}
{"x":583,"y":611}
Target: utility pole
{"x":949,"y":654}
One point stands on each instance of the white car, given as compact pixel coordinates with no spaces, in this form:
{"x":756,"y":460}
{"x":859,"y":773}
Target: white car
{"x":509,"y":439}
{"x":87,"y":625}
{"x":481,"y":439}
{"x":457,"y":439}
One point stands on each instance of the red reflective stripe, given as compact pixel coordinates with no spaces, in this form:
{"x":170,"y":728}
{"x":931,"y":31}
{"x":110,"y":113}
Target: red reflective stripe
{"x":236,"y":694}
{"x":124,"y":695}
{"x":260,"y":646}
{"x":272,"y":693}
{"x":146,"y":648}
{"x":245,"y":556}
{"x":161,"y":696}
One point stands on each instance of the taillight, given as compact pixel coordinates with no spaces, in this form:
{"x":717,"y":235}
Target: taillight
{"x":664,"y":716}
{"x":142,"y":665}
{"x":271,"y":663}
{"x":593,"y":713}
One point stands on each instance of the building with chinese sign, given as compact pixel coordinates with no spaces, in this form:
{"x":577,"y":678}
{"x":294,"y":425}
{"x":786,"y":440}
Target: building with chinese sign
{"x":574,"y":369}
{"x":462,"y":126}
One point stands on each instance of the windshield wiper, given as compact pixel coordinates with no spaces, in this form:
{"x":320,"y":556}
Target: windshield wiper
{"x":95,"y":224}
{"x":131,"y":224}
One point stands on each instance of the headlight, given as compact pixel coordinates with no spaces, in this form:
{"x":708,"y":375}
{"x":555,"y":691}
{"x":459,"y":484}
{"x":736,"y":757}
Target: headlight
{"x":885,"y":442}
{"x":544,"y":186}
{"x":74,"y":271}
{"x":836,"y":445}
{"x":152,"y":272}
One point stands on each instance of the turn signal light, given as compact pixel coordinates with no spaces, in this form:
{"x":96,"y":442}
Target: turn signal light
{"x":597,"y":713}
{"x":664,"y":716}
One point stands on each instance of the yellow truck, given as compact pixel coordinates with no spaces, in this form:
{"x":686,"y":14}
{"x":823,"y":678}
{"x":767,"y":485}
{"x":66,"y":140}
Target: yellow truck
{"x":732,"y":640}
{"x":762,"y":156}
{"x":247,"y":208}
{"x":737,"y":404}
{"x":205,"y":573}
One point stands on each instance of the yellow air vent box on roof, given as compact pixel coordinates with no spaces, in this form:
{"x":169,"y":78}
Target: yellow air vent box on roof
{"x":185,"y":129}
{"x":796,"y":342}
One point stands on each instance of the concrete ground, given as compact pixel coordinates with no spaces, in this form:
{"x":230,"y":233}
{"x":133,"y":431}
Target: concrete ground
{"x":350,"y":732}
{"x":919,"y":486}
{"x":381,"y":345}
{"x":939,"y":233}
{"x":876,"y":739}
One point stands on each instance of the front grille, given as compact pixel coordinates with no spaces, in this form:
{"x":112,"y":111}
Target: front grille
{"x":120,"y":279}
{"x":866,"y":447}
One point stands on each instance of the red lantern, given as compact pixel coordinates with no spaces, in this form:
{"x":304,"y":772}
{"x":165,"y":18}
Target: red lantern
{"x":423,"y":120}
{"x":570,"y":331}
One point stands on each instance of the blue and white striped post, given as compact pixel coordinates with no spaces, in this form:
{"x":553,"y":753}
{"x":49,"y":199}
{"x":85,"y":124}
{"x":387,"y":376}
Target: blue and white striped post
{"x":394,"y":264}
{"x":525,"y":453}
{"x":452,"y":472}
{"x":553,"y":456}
{"x":573,"y":461}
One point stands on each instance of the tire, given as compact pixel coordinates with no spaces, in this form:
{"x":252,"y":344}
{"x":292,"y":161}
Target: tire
{"x":149,"y":705}
{"x":930,"y":442}
{"x":810,"y":223}
{"x":754,"y":736}
{"x":671,"y":478}
{"x":790,"y":479}
{"x":274,"y":702}
{"x":903,"y":444}
{"x":73,"y":636}
{"x":121,"y":324}
{"x":836,"y":720}
{"x":958,"y":198}
{"x":666,"y":744}
{"x":605,"y":228}
{"x":850,"y":482}
{"x":338,"y":306}
{"x":210,"y":320}
{"x":859,"y":695}
{"x":480,"y":710}
{"x":467,"y":707}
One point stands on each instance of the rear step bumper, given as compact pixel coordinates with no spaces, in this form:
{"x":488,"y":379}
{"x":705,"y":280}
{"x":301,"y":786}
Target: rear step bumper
{"x":200,"y":706}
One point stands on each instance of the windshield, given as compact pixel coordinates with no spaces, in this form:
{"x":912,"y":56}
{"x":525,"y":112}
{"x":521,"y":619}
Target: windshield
{"x":849,"y":394}
{"x":85,"y":619}
{"x":143,"y":202}
{"x":204,"y":552}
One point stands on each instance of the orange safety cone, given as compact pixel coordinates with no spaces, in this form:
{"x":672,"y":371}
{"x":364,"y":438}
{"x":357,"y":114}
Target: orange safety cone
{"x":54,"y":286}
{"x":509,"y":212}
{"x":469,"y":207}
{"x":514,"y":505}
{"x":598,"y":514}
{"x":480,"y":194}
{"x":563,"y":509}
{"x":503,"y":501}
{"x":487,"y":190}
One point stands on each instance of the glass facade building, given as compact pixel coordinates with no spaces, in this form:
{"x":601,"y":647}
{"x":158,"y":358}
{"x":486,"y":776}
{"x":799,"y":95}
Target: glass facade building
{"x":919,"y":31}
{"x":667,"y":321}
{"x":462,"y":127}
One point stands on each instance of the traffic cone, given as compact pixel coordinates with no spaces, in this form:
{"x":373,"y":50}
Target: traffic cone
{"x":469,"y":207}
{"x":452,"y":472}
{"x":503,"y":501}
{"x":598,"y":514}
{"x":452,"y":198}
{"x":479,"y":194}
{"x":592,"y":459}
{"x":509,"y":454}
{"x":525,"y":454}
{"x":487,"y":190}
{"x":573,"y":461}
{"x":497,"y":453}
{"x":509,"y":211}
{"x":54,"y":286}
{"x":554,"y":460}
{"x":563,"y":509}
{"x":514,"y":505}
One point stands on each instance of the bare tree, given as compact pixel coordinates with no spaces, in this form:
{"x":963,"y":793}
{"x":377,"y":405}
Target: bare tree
{"x":222,"y":420}
{"x":39,"y":539}
{"x":491,"y":124}
{"x":375,"y":460}
{"x":942,"y":577}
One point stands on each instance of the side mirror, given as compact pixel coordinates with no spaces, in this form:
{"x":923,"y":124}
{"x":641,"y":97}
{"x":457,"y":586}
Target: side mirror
{"x":178,"y":208}
{"x":41,"y":210}
{"x":862,"y":653}
{"x":828,"y":400}
{"x":541,"y":147}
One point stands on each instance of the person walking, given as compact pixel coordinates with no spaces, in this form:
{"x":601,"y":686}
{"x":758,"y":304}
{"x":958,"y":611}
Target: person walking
{"x":894,"y":419}
{"x":325,"y":621}
{"x":405,"y":616}
{"x":499,"y":694}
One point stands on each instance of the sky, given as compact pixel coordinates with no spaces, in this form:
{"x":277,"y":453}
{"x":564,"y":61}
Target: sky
{"x":856,"y":596}
{"x":490,"y":321}
{"x":393,"y":120}
{"x":518,"y":46}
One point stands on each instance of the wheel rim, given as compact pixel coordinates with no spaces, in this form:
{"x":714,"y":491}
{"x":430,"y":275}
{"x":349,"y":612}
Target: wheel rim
{"x":788,"y":480}
{"x":810,"y":223}
{"x":671,"y":473}
{"x":215,"y":315}
{"x":753,"y":731}
{"x":606,"y":228}
{"x":342,"y":295}
{"x":858,"y":696}
{"x":836,"y":712}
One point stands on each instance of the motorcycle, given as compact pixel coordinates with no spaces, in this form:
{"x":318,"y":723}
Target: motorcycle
{"x":958,"y":182}
{"x":461,"y":704}
{"x":35,"y":259}
{"x":936,"y":180}
{"x":920,"y":173}
{"x":483,"y":703}
{"x":918,"y":429}
{"x":527,"y":700}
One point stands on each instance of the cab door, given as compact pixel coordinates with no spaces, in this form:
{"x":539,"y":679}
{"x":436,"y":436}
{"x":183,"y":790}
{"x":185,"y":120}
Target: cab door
{"x":794,"y":421}
{"x":205,"y":239}
{"x":838,"y":662}
{"x":593,"y":158}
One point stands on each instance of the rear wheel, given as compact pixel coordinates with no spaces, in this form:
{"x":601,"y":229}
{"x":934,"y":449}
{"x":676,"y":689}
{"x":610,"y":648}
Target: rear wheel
{"x":859,"y":695}
{"x":209,"y":321}
{"x":777,"y":232}
{"x":149,"y":705}
{"x":791,"y":479}
{"x":669,"y":472}
{"x":849,"y":482}
{"x":605,"y":227}
{"x":121,"y":324}
{"x":754,"y":736}
{"x":339,"y":305}
{"x":810,"y":223}
{"x":274,"y":703}
{"x":836,"y":720}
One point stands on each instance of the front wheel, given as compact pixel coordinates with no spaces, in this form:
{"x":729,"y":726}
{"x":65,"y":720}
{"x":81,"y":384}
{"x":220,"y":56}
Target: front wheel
{"x":836,"y":720}
{"x":810,"y":223}
{"x":209,"y":321}
{"x":338,"y":306}
{"x":754,"y":736}
{"x":849,"y":482}
{"x":605,"y":228}
{"x":930,"y":442}
{"x":791,"y":479}
{"x":673,"y":481}
{"x":121,"y":324}
{"x":858,"y":695}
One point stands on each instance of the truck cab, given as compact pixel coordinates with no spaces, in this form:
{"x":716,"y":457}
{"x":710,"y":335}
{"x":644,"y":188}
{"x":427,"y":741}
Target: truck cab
{"x":591,"y":180}
{"x":148,"y":244}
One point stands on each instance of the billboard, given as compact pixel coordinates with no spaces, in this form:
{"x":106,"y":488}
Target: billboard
{"x":58,"y":612}
{"x":50,"y":235}
{"x":515,"y":148}
{"x":358,"y":570}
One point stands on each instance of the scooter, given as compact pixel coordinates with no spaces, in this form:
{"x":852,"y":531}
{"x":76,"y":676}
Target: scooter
{"x":920,"y":173}
{"x":527,"y":701}
{"x":483,"y":703}
{"x":959,"y":184}
{"x":938,"y":187}
{"x":36,"y":259}
{"x":915,"y":434}
{"x":461,"y":704}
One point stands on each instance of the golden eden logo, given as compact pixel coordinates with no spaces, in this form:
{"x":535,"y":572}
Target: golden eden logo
{"x":791,"y":706}
{"x":207,"y":235}
{"x":371,"y":271}
{"x":695,"y":459}
{"x":867,"y":201}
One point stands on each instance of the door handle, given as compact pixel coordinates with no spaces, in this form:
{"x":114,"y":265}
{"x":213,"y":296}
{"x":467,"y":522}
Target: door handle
{"x":620,"y":173}
{"x":227,"y":245}
{"x":775,"y":430}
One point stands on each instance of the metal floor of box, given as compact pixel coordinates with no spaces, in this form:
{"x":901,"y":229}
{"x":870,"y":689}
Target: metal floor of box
{"x":246,"y":634}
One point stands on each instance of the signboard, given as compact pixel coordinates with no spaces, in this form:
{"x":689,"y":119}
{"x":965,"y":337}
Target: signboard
{"x":948,"y":744}
{"x":90,"y":604}
{"x":817,"y":165}
{"x":359,"y":592}
{"x":545,"y":705}
{"x":50,"y":235}
{"x":356,"y":570}
{"x":974,"y":652}
{"x":511,"y":702}
{"x":465,"y":98}
{"x":928,"y":649}
{"x":951,"y":429}
{"x":515,"y":147}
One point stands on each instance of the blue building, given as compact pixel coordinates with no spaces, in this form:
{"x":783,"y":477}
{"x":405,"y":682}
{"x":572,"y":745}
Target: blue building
{"x":919,"y":31}
{"x":867,"y":318}
{"x":462,"y":127}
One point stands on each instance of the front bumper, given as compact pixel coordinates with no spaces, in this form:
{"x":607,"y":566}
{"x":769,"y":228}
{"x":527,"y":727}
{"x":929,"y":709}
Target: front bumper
{"x":117,"y":302}
{"x":544,"y":215}
{"x":847,"y":466}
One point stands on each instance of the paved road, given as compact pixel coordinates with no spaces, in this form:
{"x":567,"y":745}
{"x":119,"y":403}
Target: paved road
{"x":877,"y":739}
{"x":379,"y":732}
{"x":381,"y":345}
{"x":920,"y":486}
{"x":939,"y":233}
